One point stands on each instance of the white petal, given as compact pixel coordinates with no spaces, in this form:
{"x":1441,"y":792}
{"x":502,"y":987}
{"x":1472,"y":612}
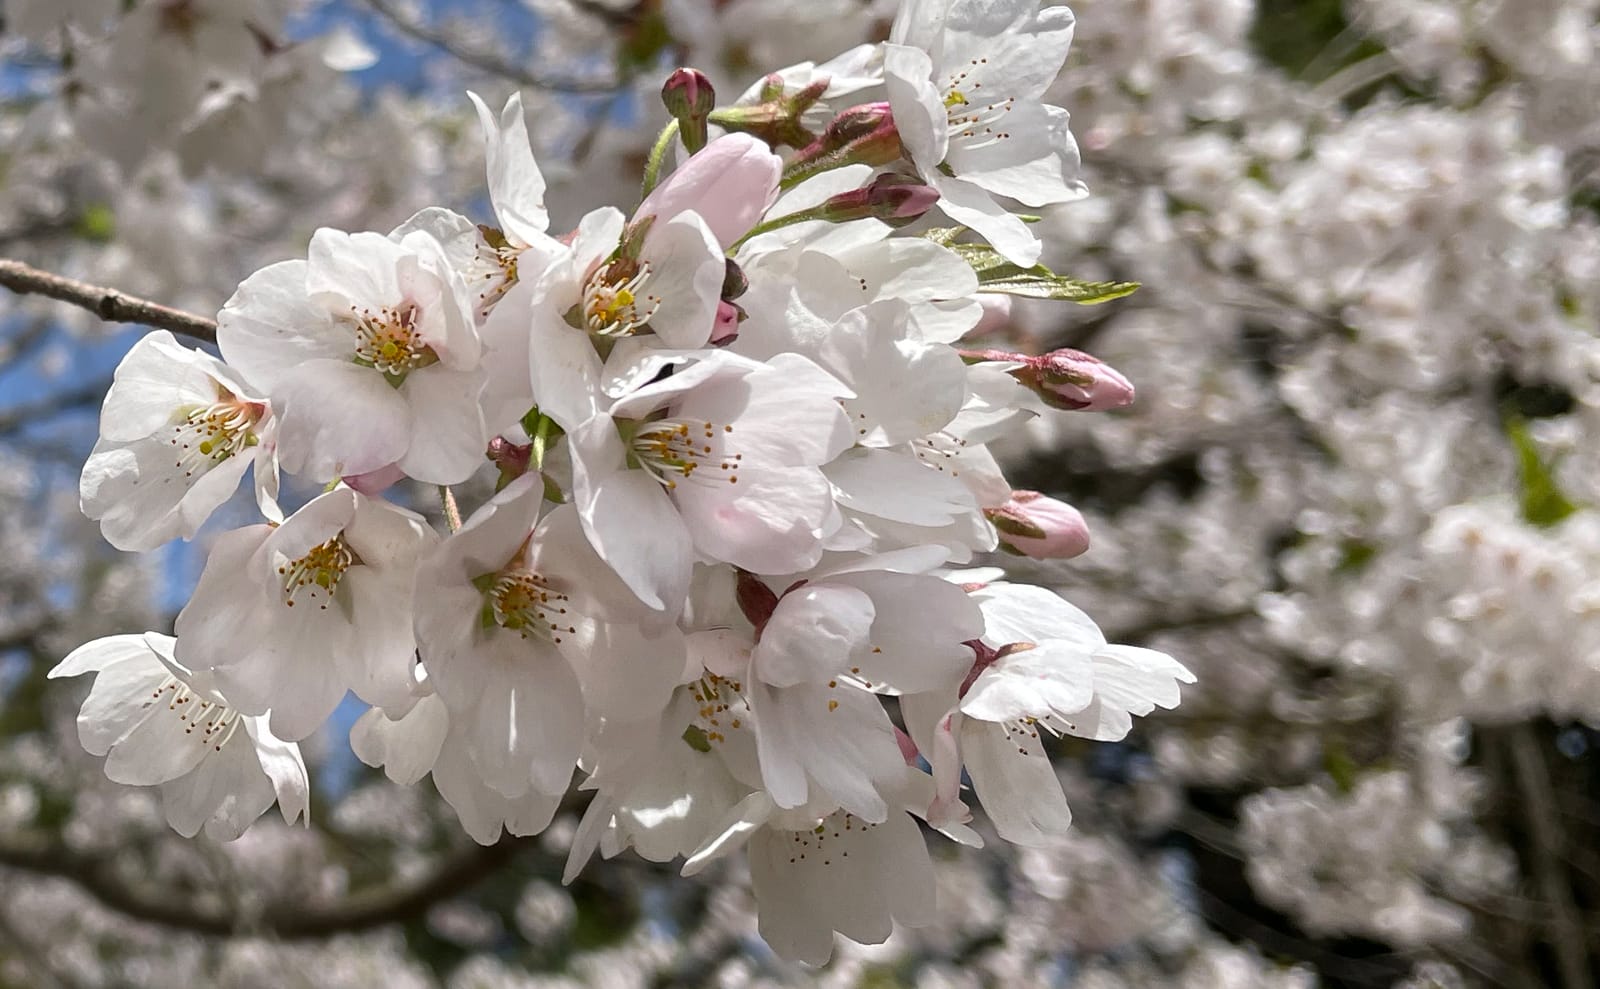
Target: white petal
{"x":812,"y":634}
{"x":1015,"y":782}
{"x":405,"y":749}
{"x":516,"y":186}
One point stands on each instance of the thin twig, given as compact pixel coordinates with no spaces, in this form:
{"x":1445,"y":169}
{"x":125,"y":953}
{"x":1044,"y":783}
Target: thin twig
{"x":107,"y":303}
{"x":359,"y":911}
{"x":487,"y":62}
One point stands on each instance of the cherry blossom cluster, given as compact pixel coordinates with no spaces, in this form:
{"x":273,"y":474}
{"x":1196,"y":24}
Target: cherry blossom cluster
{"x":732,"y":568}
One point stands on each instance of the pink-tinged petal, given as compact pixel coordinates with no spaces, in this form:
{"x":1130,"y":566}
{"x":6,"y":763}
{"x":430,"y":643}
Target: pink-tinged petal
{"x":338,"y":418}
{"x":772,"y":521}
{"x":687,"y":268}
{"x":516,"y":186}
{"x":448,"y":438}
{"x":895,"y":484}
{"x":374,"y":483}
{"x":972,"y":206}
{"x":730,"y":183}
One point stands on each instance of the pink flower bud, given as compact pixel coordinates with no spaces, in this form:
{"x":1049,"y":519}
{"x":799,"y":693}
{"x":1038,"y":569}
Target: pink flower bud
{"x":895,"y":199}
{"x":1079,"y":381}
{"x":864,"y":134}
{"x":1033,"y":525}
{"x":510,"y":458}
{"x":689,"y":97}
{"x":1065,"y":379}
{"x":688,"y":92}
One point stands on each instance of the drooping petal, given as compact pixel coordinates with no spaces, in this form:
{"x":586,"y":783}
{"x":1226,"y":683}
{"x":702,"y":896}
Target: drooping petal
{"x":1015,"y":782}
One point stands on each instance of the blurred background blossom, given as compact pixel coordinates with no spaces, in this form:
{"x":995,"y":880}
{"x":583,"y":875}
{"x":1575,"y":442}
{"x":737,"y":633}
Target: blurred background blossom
{"x":1355,"y":495}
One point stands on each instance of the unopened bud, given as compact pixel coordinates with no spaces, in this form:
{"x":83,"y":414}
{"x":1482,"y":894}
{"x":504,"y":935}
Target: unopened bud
{"x":895,"y":199}
{"x":1075,"y":380}
{"x":690,"y":98}
{"x":1033,"y":525}
{"x":860,"y":135}
{"x":1064,"y":379}
{"x":867,"y":132}
{"x":511,"y":459}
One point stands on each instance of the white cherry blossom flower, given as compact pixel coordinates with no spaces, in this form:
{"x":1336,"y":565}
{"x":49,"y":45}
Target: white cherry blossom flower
{"x":719,"y":460}
{"x":815,"y":874}
{"x":177,"y":431}
{"x":502,"y":605}
{"x":965,"y":81}
{"x":826,"y":645}
{"x":369,"y":355}
{"x":161,"y":724}
{"x":1041,"y":666}
{"x":289,"y":617}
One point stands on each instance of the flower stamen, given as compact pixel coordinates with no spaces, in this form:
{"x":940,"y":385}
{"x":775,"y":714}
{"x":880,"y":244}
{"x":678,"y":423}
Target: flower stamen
{"x":318,"y":572}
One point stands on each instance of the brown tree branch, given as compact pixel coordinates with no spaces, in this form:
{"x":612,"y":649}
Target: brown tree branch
{"x":107,"y":303}
{"x":359,"y":911}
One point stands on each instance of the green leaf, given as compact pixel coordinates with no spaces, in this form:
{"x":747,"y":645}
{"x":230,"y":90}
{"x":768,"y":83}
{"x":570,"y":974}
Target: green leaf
{"x":1543,"y":503}
{"x":996,"y":274}
{"x":97,"y":224}
{"x":944,"y":236}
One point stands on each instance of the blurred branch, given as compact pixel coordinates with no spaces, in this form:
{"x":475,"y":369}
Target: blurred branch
{"x":107,"y":303}
{"x":362,"y":910}
{"x":486,"y":61}
{"x":1566,"y":932}
{"x":15,"y":417}
{"x":1135,"y":635}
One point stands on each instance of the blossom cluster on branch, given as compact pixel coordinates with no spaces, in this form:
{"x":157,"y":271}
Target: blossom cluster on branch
{"x":741,"y":435}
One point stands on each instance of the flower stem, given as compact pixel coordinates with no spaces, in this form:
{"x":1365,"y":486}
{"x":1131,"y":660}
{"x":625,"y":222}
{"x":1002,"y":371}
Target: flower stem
{"x":658,"y":154}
